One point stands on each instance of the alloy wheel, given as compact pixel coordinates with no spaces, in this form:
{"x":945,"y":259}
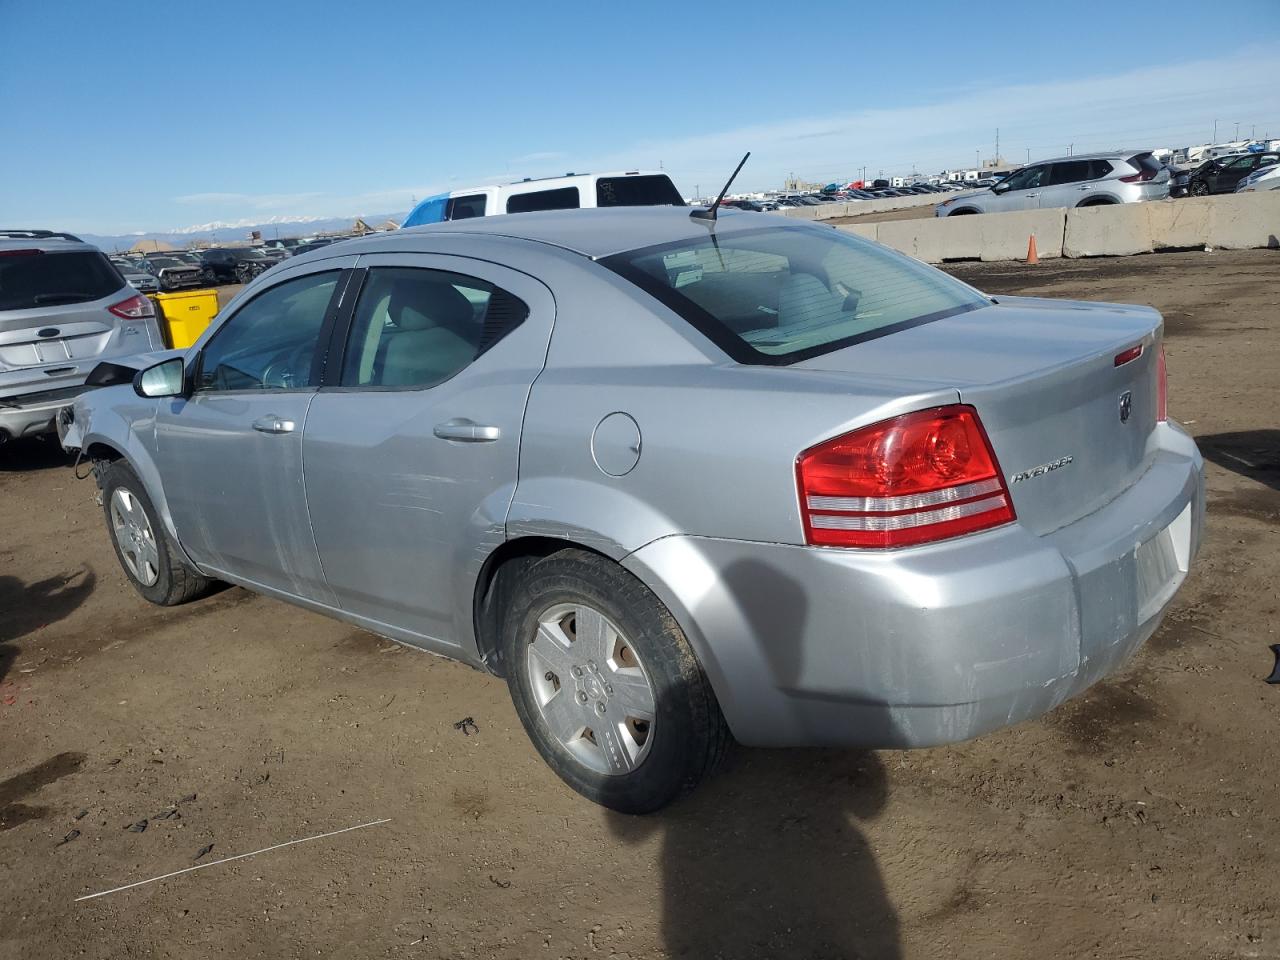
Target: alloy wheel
{"x":134,"y":537}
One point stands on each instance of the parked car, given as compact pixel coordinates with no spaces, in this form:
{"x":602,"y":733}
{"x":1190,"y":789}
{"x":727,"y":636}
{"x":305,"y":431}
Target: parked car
{"x":1083,"y":180}
{"x":135,"y":276}
{"x":923,"y":513}
{"x":174,"y":274}
{"x":63,"y":307}
{"x":1221,"y":174}
{"x":310,"y":245}
{"x":1264,"y":178}
{"x":235,"y":264}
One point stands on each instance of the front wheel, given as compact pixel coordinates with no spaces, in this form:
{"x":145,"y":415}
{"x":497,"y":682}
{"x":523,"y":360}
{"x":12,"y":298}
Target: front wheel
{"x":149,"y":558}
{"x":607,"y":686}
{"x":1199,"y":189}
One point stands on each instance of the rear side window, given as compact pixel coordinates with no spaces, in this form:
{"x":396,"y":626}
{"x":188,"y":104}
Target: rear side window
{"x":565,"y":198}
{"x":644,"y":191}
{"x":415,"y":327}
{"x":464,"y":208}
{"x":1070,"y":171}
{"x":783,"y":294}
{"x":42,"y":279}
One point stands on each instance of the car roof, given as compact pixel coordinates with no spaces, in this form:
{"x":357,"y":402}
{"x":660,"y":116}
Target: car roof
{"x":46,"y":244}
{"x":1107,"y":155}
{"x":593,"y":232}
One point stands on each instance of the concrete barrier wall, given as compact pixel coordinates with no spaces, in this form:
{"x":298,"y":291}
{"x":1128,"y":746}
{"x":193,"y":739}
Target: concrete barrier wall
{"x":1229,"y":222}
{"x":854,"y":208}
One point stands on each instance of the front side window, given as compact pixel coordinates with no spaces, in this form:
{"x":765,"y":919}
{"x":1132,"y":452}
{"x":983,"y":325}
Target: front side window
{"x":415,"y":328}
{"x":1026,"y":178}
{"x":1240,"y":165}
{"x":566,"y":198}
{"x":779,"y":295}
{"x":270,"y":343}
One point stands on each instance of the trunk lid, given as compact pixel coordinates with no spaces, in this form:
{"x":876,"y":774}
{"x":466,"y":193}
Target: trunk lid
{"x":1043,"y":378}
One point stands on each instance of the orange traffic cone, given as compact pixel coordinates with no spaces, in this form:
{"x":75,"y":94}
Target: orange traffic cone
{"x":1032,"y":256}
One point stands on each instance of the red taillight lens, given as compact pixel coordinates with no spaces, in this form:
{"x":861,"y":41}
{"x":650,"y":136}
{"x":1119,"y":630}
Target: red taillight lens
{"x":20,"y":253}
{"x":1127,"y":356}
{"x":136,"y":307}
{"x":1162,"y":388}
{"x":1142,"y":176}
{"x":925,"y":476}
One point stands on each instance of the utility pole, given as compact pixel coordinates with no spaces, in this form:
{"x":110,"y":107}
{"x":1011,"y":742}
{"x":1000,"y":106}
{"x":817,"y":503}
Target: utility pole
{"x":997,"y":145}
{"x":977,"y":164}
{"x":1028,"y":154}
{"x":1237,"y":136}
{"x":1215,"y":131}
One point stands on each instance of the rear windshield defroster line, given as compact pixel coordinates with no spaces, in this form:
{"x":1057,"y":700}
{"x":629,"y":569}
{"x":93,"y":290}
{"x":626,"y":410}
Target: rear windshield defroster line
{"x":779,"y":295}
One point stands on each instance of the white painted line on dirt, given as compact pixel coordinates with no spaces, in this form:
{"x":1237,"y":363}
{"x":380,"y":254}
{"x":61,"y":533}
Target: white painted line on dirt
{"x":238,"y":856}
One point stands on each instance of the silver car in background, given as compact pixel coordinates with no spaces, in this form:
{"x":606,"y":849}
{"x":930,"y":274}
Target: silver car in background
{"x":135,"y":276}
{"x":675,"y":479}
{"x":1083,"y":180}
{"x":63,"y":308}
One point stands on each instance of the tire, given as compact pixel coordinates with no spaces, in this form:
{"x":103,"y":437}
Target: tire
{"x":962,"y":213}
{"x":564,"y":696}
{"x":1199,"y":189}
{"x":148,"y":556}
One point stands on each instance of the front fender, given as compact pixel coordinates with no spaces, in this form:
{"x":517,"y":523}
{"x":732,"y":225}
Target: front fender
{"x":117,"y":419}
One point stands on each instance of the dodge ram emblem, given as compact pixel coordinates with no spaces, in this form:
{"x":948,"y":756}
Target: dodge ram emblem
{"x":1126,"y":405}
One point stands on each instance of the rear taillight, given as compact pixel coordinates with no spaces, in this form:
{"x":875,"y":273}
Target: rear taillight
{"x":136,"y":307}
{"x":1162,"y":388}
{"x":1142,"y":176}
{"x":925,"y":476}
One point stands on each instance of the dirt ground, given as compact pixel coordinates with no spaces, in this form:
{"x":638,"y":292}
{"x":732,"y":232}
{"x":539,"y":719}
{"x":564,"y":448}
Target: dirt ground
{"x":1137,"y":821}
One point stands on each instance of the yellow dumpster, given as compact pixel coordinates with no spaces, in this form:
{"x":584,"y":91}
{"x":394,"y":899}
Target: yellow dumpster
{"x":184,"y":314}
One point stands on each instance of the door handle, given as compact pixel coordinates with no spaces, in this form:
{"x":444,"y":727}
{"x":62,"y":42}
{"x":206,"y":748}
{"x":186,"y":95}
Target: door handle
{"x":273,"y":424}
{"x":466,"y":431}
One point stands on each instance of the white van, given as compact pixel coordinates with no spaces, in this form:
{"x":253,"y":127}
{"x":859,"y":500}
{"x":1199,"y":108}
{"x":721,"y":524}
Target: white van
{"x":633,"y":188}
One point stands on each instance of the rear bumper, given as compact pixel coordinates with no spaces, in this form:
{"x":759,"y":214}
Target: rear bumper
{"x":917,"y":647}
{"x":36,"y":415}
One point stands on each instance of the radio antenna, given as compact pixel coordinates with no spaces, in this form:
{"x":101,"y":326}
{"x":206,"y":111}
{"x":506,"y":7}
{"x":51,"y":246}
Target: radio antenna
{"x":710,"y":213}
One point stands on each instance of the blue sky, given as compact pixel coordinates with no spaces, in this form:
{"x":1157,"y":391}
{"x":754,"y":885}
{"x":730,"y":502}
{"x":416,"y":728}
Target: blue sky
{"x":122,"y":117}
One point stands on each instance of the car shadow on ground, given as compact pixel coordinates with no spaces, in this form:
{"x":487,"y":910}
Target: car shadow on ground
{"x":25,"y":608}
{"x":767,"y":860}
{"x":28,"y":455}
{"x":1251,"y":453}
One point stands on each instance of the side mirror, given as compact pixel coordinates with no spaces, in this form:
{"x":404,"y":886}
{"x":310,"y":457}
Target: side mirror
{"x":165,"y":379}
{"x":1000,"y":187}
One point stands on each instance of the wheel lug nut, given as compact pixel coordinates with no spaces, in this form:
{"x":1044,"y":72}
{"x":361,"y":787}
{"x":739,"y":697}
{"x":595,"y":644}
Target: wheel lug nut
{"x":600,"y":709}
{"x":608,"y":689}
{"x":582,"y":696}
{"x":591,"y":665}
{"x":577,"y":671}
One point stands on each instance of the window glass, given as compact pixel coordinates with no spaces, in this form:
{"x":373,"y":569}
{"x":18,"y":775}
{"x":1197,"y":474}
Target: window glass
{"x":566,"y":198}
{"x":649,"y":190}
{"x":416,"y":328}
{"x":1241,"y":163}
{"x":1069,"y":171}
{"x":1268,"y":160}
{"x":778,"y":293}
{"x":1098,"y":169}
{"x":270,"y":343}
{"x":1026,"y":178}
{"x":464,"y":208}
{"x":45,"y":279}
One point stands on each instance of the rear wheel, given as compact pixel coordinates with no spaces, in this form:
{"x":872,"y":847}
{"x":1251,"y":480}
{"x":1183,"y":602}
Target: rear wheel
{"x":148,"y":556}
{"x":607,"y":686}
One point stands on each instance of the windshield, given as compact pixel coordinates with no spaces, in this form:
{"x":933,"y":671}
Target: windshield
{"x":782,"y":294}
{"x":165,"y":262}
{"x":39,"y":278}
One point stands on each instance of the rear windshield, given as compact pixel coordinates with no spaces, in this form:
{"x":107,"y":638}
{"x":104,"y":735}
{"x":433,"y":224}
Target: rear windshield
{"x":1146,"y":163}
{"x":650,"y":190}
{"x":782,"y":294}
{"x":37,"y":279}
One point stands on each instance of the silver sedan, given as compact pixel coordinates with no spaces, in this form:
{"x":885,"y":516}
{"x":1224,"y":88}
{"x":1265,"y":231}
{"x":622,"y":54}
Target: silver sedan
{"x":678,"y":481}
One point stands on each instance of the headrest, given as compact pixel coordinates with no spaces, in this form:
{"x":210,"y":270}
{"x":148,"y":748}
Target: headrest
{"x":432,"y":305}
